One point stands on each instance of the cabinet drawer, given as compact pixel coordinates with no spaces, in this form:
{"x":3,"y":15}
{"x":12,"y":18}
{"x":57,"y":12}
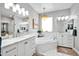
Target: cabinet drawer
{"x":10,"y":50}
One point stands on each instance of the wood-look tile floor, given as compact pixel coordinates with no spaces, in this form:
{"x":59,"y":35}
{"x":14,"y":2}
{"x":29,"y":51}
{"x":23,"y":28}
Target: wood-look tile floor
{"x":68,"y":51}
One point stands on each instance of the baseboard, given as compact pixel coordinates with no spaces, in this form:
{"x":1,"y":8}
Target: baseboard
{"x":76,"y":51}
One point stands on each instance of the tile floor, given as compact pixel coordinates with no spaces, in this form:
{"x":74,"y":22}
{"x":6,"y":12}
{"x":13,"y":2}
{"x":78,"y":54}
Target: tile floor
{"x":63,"y":51}
{"x":68,"y":51}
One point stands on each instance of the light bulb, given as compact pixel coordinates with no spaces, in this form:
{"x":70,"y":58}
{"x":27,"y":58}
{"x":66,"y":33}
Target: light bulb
{"x":14,"y":9}
{"x":62,"y":18}
{"x":59,"y":18}
{"x":19,"y":11}
{"x":27,"y":13}
{"x":23,"y":11}
{"x":66,"y":17}
{"x":17,"y":6}
{"x":8,"y":5}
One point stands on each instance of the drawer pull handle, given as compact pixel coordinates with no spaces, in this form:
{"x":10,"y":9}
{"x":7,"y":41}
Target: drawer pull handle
{"x":11,"y":50}
{"x":25,"y":42}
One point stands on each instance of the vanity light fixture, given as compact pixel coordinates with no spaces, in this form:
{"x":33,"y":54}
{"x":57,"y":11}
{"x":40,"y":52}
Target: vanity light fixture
{"x":16,"y":8}
{"x":8,"y":5}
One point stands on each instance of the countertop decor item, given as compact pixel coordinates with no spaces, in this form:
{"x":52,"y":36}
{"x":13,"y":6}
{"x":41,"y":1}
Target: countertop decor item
{"x":40,"y":33}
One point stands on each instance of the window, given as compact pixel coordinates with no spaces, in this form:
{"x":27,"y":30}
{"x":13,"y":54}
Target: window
{"x":47,"y":24}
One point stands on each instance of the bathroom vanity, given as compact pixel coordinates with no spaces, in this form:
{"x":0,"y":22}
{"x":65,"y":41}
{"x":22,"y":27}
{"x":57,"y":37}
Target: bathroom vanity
{"x":19,"y":46}
{"x":65,"y":40}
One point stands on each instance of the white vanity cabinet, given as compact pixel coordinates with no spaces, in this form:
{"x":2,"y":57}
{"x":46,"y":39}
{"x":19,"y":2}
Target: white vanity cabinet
{"x":59,"y":40}
{"x":22,"y":47}
{"x":10,"y":50}
{"x":68,"y":41}
{"x":26,"y":47}
{"x":65,"y":40}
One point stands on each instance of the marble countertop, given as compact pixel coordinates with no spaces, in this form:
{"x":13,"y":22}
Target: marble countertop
{"x":10,"y":41}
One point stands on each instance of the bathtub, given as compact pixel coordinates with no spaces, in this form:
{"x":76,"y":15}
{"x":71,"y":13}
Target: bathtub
{"x":46,"y":43}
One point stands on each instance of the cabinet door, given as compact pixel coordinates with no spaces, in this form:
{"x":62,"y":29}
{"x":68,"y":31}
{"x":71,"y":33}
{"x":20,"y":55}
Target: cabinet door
{"x":68,"y":41}
{"x":32,"y":44}
{"x":29,"y":46}
{"x":59,"y":39}
{"x":76,"y":43}
{"x":27,"y":49}
{"x":10,"y":50}
{"x":21,"y":48}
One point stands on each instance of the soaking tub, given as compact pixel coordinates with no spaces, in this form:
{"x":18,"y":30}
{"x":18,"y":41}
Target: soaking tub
{"x":46,"y":43}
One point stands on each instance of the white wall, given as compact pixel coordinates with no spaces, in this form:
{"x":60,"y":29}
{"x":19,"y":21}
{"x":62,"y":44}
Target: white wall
{"x":0,"y":22}
{"x":32,"y":14}
{"x":75,"y":11}
{"x":17,"y":22}
{"x":18,"y":18}
{"x":61,"y":26}
{"x":55,"y":14}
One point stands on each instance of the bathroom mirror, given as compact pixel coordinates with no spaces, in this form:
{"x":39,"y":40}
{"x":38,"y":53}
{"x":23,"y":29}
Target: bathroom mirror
{"x":7,"y":27}
{"x":70,"y":26}
{"x":24,"y":27}
{"x":4,"y":29}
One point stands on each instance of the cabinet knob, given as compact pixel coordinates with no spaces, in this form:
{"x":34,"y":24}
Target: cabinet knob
{"x":25,"y":42}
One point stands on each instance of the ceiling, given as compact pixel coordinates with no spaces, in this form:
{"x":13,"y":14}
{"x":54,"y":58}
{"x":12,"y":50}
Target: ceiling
{"x":50,"y":6}
{"x":38,"y":7}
